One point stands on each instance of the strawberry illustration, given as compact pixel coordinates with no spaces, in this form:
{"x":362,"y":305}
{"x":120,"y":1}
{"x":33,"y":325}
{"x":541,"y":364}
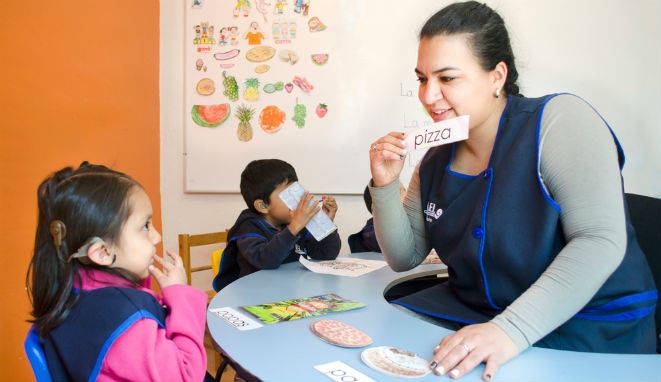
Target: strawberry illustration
{"x":321,"y":110}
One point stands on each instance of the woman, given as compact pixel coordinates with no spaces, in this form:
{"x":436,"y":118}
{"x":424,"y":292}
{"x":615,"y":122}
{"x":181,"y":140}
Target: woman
{"x":528,"y":212}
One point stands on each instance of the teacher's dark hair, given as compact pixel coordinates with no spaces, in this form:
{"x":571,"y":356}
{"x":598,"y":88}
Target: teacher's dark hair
{"x":488,"y":37}
{"x":89,"y":201}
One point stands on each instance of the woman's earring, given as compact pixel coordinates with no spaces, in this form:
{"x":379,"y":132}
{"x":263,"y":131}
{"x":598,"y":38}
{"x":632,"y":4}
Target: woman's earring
{"x":497,"y":93}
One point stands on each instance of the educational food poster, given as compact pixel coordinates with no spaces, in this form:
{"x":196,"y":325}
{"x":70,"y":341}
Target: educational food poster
{"x":312,"y":82}
{"x":301,"y":308}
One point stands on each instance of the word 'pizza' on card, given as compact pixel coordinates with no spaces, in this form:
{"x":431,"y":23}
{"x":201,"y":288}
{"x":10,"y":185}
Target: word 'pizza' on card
{"x":440,"y":133}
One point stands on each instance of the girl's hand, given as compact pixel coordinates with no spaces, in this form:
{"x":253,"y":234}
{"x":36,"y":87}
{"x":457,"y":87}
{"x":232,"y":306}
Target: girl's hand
{"x":330,"y":207}
{"x":387,"y":158}
{"x":471,"y":345}
{"x":303,"y":213}
{"x":173,"y":271}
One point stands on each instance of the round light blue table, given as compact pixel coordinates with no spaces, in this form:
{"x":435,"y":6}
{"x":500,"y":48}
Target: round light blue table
{"x":288,"y":351}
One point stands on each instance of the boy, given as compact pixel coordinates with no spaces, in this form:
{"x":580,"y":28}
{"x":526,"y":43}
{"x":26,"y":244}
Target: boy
{"x":267,"y":233}
{"x":365,"y":240}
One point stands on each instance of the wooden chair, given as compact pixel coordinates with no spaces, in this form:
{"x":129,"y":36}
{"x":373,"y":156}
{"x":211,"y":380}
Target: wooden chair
{"x":187,"y":241}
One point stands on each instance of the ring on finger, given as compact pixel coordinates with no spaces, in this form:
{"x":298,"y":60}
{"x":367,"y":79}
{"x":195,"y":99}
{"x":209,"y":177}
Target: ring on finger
{"x":375,"y":147}
{"x":466,"y":347}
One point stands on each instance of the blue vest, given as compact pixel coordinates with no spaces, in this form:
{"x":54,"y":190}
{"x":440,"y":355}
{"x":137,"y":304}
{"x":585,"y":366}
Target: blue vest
{"x":498,"y":232}
{"x":76,"y":349}
{"x":365,"y":240}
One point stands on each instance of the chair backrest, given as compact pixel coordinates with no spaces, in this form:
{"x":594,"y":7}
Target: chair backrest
{"x":35,"y":352}
{"x":216,"y":257}
{"x":645,"y":214}
{"x":187,"y":241}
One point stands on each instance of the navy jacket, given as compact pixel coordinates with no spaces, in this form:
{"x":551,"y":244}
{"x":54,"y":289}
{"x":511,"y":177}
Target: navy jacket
{"x":365,"y":240}
{"x":254,"y":244}
{"x":499,"y":231}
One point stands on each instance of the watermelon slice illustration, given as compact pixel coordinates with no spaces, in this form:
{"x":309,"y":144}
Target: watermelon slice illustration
{"x":210,"y":115}
{"x":319,"y":59}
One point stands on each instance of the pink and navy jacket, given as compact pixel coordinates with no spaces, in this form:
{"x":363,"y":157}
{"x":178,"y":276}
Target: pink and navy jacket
{"x":117,"y":332}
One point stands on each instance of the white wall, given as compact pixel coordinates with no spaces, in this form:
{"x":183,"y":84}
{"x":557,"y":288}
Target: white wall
{"x":619,"y":40}
{"x":200,"y":213}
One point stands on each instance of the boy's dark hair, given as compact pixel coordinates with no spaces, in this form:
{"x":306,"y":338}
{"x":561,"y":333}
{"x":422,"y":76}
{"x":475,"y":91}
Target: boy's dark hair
{"x":368,"y":199}
{"x":488,"y":37}
{"x":90,"y":201}
{"x":261,"y":177}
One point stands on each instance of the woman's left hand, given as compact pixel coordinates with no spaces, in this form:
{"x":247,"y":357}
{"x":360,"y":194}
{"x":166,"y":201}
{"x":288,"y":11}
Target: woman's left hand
{"x":471,"y":345}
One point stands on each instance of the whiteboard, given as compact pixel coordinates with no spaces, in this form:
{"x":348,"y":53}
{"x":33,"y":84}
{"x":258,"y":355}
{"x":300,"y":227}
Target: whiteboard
{"x":598,"y":50}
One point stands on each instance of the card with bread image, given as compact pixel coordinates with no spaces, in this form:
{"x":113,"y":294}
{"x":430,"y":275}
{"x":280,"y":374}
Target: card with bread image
{"x":395,"y":362}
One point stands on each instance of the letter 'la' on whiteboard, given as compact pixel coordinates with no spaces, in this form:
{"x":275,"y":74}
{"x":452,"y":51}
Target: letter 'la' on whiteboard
{"x":440,"y":133}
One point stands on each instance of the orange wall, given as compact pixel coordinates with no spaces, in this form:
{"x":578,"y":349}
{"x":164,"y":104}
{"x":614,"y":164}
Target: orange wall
{"x":79,"y":82}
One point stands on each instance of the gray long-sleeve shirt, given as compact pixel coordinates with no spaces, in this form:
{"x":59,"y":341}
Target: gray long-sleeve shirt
{"x":579,"y":169}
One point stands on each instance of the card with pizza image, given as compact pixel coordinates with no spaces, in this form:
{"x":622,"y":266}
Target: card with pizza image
{"x":339,"y":334}
{"x":294,"y":309}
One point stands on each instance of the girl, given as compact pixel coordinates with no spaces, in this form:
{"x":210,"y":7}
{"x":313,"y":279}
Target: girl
{"x":92,"y":305}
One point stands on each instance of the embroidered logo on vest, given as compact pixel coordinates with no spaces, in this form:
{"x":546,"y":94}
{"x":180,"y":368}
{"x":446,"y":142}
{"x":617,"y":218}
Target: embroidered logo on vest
{"x":431,"y":212}
{"x":299,"y":250}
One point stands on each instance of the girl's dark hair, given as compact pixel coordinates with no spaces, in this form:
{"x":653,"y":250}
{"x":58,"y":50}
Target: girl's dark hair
{"x":488,"y":37}
{"x":261,"y":177}
{"x":91,"y":200}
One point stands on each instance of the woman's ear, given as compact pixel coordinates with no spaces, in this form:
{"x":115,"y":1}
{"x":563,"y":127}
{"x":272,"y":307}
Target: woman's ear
{"x":499,"y":75}
{"x":98,"y":253}
{"x":260,"y":206}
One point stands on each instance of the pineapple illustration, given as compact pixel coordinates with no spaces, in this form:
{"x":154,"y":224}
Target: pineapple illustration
{"x":252,"y":89}
{"x":244,"y":114}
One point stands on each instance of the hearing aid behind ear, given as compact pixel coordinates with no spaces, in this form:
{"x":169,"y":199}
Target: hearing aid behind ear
{"x":82,"y":251}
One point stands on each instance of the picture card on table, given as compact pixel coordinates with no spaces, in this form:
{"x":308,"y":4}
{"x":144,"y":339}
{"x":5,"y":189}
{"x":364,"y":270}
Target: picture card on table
{"x":341,"y":372}
{"x":343,"y":266}
{"x":294,"y":309}
{"x":236,"y":318}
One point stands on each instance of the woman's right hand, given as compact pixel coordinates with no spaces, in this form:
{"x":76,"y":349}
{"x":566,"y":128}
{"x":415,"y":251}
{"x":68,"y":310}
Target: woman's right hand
{"x":387,"y":156}
{"x":173,"y":272}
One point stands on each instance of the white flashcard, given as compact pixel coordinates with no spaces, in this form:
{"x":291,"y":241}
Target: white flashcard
{"x":440,"y":133}
{"x":235,"y":318}
{"x":320,"y":225}
{"x":341,"y":372}
{"x":343,"y":266}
